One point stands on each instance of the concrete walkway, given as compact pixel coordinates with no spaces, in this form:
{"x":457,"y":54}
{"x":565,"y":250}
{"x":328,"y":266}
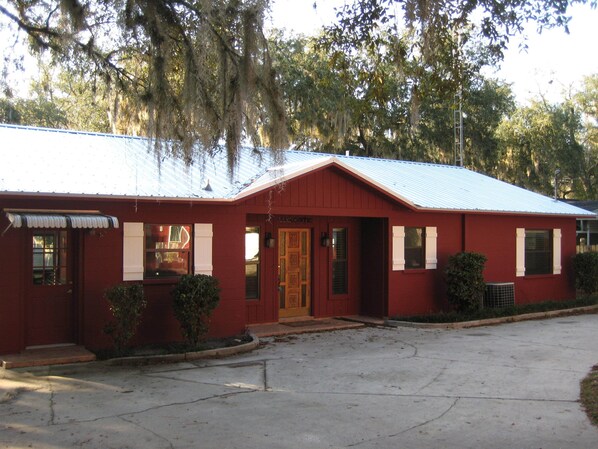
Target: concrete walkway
{"x":509,"y":386}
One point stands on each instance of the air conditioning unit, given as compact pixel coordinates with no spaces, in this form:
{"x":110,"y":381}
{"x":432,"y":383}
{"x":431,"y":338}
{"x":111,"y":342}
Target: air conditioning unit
{"x":499,"y":294}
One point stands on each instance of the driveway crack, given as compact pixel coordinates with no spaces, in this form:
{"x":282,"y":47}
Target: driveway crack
{"x":170,"y":445}
{"x":409,"y":428}
{"x":51,"y":402}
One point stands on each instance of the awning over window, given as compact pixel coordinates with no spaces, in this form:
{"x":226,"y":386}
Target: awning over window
{"x":61,"y":220}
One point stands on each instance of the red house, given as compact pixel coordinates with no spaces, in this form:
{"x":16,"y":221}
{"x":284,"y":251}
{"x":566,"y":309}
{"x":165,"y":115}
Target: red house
{"x":310,"y":235}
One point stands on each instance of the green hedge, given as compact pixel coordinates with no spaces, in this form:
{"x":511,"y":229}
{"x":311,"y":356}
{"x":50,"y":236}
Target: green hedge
{"x":585,"y":266}
{"x":195,"y":298}
{"x":126,"y":302}
{"x":465,"y":281}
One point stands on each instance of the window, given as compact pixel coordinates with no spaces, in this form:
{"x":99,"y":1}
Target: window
{"x":50,"y":258}
{"x":340,"y":275}
{"x":167,"y":250}
{"x":252,"y":262}
{"x":414,"y":248}
{"x":538,"y":252}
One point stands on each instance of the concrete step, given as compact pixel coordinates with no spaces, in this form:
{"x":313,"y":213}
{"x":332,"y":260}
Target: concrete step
{"x":51,"y":355}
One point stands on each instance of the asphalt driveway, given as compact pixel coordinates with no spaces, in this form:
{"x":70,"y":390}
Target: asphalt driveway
{"x":509,"y":386}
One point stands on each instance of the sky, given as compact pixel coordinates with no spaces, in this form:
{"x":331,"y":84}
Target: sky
{"x":554,"y":63}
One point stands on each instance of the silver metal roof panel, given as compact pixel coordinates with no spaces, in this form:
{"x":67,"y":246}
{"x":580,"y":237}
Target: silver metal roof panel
{"x":36,"y":160}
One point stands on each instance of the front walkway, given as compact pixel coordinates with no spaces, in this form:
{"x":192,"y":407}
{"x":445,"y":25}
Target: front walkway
{"x":508,"y":386}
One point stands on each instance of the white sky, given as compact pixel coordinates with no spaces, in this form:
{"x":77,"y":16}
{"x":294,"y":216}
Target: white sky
{"x":555,"y":62}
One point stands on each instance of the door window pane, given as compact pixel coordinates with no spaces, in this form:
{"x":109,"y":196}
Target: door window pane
{"x":50,"y":256}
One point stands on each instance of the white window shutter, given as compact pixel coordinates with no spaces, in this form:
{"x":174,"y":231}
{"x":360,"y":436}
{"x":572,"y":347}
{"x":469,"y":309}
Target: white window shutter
{"x":431,"y":258}
{"x":202,"y":260}
{"x":398,"y":248}
{"x":520,"y":253}
{"x":132,"y":251}
{"x":556,"y":251}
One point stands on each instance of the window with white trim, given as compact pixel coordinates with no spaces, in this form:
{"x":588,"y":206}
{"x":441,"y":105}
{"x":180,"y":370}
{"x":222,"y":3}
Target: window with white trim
{"x":155,"y":251}
{"x":414,"y":248}
{"x":167,"y":250}
{"x":538,"y":251}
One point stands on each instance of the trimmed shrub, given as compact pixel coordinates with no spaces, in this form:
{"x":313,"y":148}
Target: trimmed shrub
{"x":195,"y":298}
{"x":465,"y":281}
{"x":126,"y":304}
{"x":585,"y":266}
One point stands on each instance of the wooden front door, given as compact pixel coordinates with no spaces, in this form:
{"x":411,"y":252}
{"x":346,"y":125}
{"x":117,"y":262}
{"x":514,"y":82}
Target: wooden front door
{"x":50,"y":312}
{"x":294,"y":272}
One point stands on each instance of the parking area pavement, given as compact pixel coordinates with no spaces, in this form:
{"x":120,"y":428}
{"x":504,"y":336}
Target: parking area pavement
{"x":509,"y":386}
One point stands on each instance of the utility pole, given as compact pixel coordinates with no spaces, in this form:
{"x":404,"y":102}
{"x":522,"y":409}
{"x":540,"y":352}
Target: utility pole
{"x":458,"y":107}
{"x":458,"y":128}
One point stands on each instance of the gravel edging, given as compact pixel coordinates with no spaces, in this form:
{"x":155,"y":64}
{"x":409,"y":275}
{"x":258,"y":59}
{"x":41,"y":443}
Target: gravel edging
{"x":186,"y":356}
{"x":493,"y":321}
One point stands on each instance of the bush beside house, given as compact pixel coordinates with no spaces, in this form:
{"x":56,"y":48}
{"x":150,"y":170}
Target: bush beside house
{"x":126,"y":302}
{"x":195,"y":298}
{"x":465,"y":281}
{"x":585,"y":266}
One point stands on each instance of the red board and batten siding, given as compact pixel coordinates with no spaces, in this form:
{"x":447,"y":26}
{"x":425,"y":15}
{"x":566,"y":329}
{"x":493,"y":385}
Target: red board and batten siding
{"x":325,"y":199}
{"x":100,"y":256}
{"x":495,"y":236}
{"x":322,"y":200}
{"x":324,"y":192}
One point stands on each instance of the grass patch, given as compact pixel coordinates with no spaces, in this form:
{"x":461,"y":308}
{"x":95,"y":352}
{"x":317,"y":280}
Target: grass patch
{"x":589,"y":395}
{"x":455,"y":317}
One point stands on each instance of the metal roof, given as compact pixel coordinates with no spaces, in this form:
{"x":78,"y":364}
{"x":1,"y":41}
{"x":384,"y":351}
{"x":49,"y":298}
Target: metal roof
{"x":45,"y":161}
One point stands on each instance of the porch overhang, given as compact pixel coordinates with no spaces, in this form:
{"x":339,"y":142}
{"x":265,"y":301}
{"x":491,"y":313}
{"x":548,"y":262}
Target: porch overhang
{"x":61,"y":219}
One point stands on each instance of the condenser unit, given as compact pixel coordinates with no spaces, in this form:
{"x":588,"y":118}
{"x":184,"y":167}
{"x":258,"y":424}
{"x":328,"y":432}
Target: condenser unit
{"x":499,"y":294}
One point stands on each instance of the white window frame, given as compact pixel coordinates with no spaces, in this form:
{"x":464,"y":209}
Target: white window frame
{"x":398,"y":248}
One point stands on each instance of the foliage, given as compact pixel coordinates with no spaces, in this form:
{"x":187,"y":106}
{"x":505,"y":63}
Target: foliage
{"x":589,"y":395}
{"x":486,"y":313}
{"x":126,"y":302}
{"x":465,"y":281}
{"x":585,"y":266}
{"x":200,"y":71}
{"x":195,"y":298}
{"x":362,"y":101}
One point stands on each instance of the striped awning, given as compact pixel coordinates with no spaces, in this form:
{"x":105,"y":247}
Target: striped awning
{"x":61,"y":220}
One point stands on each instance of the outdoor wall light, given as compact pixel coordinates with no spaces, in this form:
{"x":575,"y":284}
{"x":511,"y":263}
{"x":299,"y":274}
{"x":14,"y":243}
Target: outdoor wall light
{"x":269,"y":241}
{"x":325,"y":239}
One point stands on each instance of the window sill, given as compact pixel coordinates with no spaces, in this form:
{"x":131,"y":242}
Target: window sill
{"x":161,"y":281}
{"x":415,"y":270}
{"x":540,"y":276}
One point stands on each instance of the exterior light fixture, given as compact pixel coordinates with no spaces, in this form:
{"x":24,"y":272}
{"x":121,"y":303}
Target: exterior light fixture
{"x":269,"y":241}
{"x":325,"y":240}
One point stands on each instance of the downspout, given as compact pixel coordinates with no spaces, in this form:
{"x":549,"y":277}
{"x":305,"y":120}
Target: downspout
{"x":463,"y":233}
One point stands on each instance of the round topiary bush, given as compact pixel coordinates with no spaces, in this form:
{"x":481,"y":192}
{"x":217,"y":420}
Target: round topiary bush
{"x":585,"y":266}
{"x":465,"y":281}
{"x":195,"y":298}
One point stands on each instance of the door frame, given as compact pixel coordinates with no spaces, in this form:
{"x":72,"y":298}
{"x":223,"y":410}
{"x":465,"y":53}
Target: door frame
{"x":308,"y":312}
{"x":71,"y":287}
